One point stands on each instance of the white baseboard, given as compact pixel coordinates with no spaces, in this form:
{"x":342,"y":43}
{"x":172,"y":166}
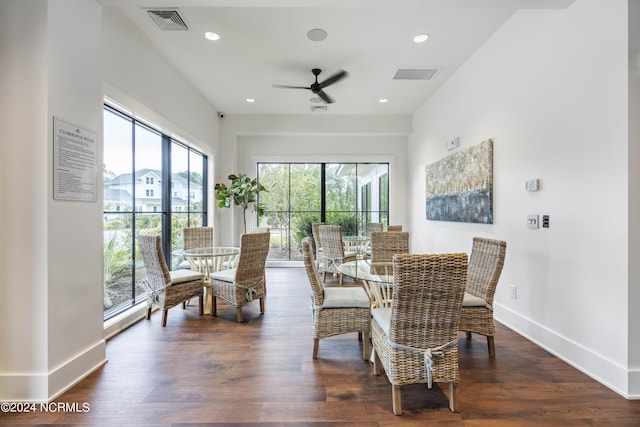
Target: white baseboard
{"x":42,"y":388}
{"x":75,"y":370}
{"x":634,"y":384}
{"x":596,"y":366}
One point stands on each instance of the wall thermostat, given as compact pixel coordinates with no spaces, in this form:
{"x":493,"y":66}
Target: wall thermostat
{"x":532,"y":185}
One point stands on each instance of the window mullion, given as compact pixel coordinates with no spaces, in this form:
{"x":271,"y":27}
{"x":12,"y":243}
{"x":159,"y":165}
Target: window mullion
{"x":166,"y":197}
{"x":205,"y":199}
{"x":323,"y":192}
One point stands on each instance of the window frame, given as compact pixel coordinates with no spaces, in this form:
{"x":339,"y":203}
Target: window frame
{"x":137,"y":210}
{"x":360,"y":214}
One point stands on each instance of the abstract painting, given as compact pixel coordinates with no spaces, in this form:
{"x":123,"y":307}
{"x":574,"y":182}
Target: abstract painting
{"x":460,"y":186}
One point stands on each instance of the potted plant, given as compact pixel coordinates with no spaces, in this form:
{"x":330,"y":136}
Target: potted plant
{"x":243,"y":191}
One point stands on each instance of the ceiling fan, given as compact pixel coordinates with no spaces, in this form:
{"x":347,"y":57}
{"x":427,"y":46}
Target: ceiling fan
{"x":318,"y":87}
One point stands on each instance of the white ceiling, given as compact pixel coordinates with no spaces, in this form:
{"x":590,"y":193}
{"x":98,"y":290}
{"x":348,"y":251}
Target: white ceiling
{"x":264,"y":42}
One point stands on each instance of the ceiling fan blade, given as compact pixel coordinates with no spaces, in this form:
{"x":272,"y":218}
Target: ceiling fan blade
{"x":334,"y":78}
{"x":317,"y":87}
{"x":326,"y":98}
{"x":290,"y":87}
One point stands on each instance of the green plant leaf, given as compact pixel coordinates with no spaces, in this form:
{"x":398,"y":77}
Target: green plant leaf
{"x":243,"y":191}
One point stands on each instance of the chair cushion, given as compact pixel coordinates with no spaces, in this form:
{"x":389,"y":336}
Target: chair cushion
{"x":473,"y":301}
{"x":228,"y":275}
{"x":382,"y":316}
{"x":181,"y":276}
{"x":348,"y":297}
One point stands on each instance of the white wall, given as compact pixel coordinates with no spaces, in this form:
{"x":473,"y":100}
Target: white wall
{"x":247,"y":140}
{"x":50,"y":250}
{"x":550,"y":87}
{"x":634,"y":197}
{"x":21,"y":143}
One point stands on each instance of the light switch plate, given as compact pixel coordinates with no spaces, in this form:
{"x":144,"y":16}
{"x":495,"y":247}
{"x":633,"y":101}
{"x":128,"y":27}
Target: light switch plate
{"x":532,"y":221}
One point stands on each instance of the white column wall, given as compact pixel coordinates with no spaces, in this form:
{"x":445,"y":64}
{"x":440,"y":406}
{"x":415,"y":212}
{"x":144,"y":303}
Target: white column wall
{"x":634,"y":197}
{"x":51,"y":250}
{"x":23,"y":160}
{"x":550,"y":87}
{"x":74,"y":235}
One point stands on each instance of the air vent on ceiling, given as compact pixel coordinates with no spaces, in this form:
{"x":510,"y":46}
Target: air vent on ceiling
{"x":315,"y":108}
{"x":168,"y":19}
{"x":415,"y":73}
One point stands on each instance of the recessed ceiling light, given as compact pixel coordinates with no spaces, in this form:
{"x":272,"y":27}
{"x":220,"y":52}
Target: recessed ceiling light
{"x":250,"y":100}
{"x":421,"y":38}
{"x":210,"y":35}
{"x":317,"y":35}
{"x":383,"y":100}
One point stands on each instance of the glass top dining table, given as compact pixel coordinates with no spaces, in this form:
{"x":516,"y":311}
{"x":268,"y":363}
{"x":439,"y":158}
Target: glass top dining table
{"x":377,"y":279}
{"x":356,"y":244}
{"x":211,"y":259}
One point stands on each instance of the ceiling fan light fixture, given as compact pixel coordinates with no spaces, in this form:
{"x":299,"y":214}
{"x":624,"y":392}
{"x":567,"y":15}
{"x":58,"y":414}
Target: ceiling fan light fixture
{"x":421,"y":38}
{"x":316,"y":35}
{"x":211,"y":35}
{"x":315,"y":100}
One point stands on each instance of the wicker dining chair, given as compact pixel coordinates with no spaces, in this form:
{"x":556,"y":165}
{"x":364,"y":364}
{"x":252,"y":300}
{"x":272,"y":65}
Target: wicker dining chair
{"x":333,"y":250}
{"x":164,"y":287}
{"x":315,"y":231}
{"x":485,"y":266}
{"x":245,"y":282}
{"x":195,"y":237}
{"x":394,"y":228}
{"x":416,"y":339}
{"x":371,"y":227}
{"x":374,"y":226}
{"x":384,"y":245}
{"x":336,"y":311}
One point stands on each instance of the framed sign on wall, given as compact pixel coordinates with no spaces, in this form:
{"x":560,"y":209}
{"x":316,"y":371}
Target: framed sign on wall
{"x":74,"y":162}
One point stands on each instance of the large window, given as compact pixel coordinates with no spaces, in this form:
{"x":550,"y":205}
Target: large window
{"x":299,"y":194}
{"x":153,"y":184}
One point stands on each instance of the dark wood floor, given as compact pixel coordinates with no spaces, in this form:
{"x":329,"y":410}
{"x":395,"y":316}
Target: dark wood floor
{"x":213,"y":371}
